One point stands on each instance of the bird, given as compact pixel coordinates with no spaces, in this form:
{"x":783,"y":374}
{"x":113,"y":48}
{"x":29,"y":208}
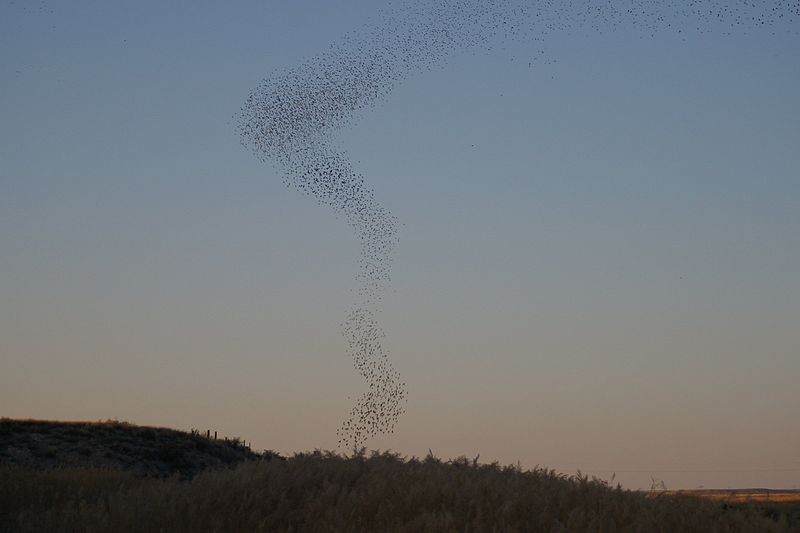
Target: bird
{"x":292,"y":117}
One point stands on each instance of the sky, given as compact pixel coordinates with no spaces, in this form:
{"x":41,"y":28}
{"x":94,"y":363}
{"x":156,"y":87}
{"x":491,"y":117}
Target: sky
{"x":597,"y":265}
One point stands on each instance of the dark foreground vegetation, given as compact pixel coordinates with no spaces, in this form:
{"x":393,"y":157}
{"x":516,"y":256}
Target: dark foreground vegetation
{"x":146,"y":451}
{"x":378,"y":492}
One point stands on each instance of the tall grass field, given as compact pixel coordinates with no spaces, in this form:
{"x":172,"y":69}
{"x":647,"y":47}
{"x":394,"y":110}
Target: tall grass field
{"x":323,"y":492}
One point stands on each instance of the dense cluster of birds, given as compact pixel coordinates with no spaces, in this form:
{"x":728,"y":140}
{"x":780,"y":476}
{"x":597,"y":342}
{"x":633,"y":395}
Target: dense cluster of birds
{"x":291,"y":117}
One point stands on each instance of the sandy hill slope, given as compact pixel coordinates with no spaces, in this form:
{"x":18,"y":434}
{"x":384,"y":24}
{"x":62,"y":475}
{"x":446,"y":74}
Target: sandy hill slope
{"x":116,"y":445}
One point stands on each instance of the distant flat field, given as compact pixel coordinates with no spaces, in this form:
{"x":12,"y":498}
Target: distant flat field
{"x":743,"y":495}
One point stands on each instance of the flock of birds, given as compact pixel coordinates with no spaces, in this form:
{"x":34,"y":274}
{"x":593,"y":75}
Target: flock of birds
{"x":291,"y":118}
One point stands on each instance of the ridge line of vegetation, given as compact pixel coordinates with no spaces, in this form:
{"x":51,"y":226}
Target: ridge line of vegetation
{"x":378,"y":491}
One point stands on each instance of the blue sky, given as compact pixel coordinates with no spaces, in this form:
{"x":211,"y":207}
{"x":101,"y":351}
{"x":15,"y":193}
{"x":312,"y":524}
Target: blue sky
{"x":597,"y":267}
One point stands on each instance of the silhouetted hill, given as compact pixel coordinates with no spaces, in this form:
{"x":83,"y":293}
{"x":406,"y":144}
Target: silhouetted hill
{"x":148,"y":451}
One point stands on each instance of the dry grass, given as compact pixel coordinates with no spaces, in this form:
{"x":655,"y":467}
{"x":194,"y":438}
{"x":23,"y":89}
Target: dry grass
{"x":381,"y":492}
